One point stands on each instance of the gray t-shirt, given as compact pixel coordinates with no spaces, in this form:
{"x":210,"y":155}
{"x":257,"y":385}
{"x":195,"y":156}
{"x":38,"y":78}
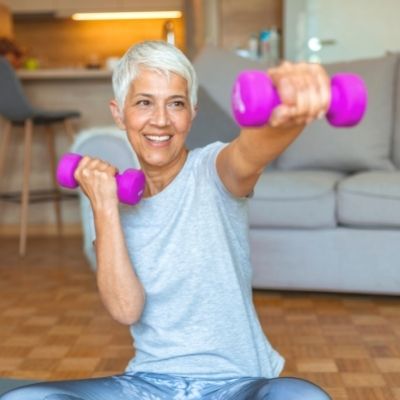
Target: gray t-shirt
{"x":189,"y":247}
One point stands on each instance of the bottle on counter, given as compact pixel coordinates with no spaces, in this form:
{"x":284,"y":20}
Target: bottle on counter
{"x":269,"y":47}
{"x":265,"y":46}
{"x":274,"y":40}
{"x":253,"y":46}
{"x":168,"y":32}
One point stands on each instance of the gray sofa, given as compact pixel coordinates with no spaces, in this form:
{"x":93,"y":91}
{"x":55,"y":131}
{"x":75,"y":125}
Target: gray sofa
{"x":326,"y":215}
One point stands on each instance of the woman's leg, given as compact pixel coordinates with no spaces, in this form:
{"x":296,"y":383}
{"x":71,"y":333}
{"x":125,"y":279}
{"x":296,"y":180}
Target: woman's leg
{"x":289,"y":389}
{"x":271,"y":389}
{"x":119,"y":387}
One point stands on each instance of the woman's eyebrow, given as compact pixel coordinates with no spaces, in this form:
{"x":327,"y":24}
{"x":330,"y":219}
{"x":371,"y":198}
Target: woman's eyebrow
{"x":143,"y":94}
{"x":172,"y":97}
{"x":178,"y":96}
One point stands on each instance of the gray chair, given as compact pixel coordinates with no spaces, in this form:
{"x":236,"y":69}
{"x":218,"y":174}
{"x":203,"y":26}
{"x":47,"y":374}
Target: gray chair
{"x":16,"y":110}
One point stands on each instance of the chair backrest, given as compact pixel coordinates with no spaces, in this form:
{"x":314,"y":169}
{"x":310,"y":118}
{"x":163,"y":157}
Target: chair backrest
{"x":14,"y":105}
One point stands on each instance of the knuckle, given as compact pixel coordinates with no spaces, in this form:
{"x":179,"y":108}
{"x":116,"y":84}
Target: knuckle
{"x":85,"y":160}
{"x":86,"y":172}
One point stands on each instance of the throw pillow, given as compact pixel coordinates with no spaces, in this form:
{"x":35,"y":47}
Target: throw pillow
{"x":211,"y":123}
{"x":364,"y":147}
{"x":217,"y":70}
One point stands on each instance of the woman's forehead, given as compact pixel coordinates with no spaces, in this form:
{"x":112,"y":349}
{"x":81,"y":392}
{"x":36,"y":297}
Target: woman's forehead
{"x":152,"y":79}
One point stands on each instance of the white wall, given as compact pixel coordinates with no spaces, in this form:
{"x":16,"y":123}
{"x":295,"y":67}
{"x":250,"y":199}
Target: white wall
{"x":358,"y":28}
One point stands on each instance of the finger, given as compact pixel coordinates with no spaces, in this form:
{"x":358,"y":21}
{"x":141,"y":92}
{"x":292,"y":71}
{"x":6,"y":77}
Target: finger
{"x":324,"y":84}
{"x":281,"y":115}
{"x":111,"y":170}
{"x":102,"y":166}
{"x":298,"y":104}
{"x":279,"y":76}
{"x":315,"y":106}
{"x":85,"y":160}
{"x":302,"y":83}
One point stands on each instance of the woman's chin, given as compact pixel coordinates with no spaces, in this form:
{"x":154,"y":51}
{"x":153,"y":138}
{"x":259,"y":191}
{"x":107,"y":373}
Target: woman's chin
{"x":156,"y":162}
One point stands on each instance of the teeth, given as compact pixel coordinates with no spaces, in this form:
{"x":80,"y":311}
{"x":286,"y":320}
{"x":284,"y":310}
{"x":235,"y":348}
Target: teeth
{"x":158,"y":138}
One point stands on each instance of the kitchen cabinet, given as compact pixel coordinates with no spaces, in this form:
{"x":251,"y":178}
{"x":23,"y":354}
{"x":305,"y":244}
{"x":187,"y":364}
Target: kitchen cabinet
{"x":67,"y":7}
{"x":28,"y":6}
{"x":6,"y":24}
{"x":239,"y":22}
{"x":152,"y":5}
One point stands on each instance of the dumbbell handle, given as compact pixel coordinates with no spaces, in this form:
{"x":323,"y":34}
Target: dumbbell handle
{"x":130,"y":184}
{"x":254,"y":97}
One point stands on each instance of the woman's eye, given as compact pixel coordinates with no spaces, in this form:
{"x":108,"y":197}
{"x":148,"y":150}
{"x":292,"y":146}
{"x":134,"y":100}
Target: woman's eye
{"x":143,"y":102}
{"x":178,"y":104}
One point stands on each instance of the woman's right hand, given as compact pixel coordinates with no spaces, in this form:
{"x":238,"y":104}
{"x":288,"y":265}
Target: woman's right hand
{"x":97,"y":180}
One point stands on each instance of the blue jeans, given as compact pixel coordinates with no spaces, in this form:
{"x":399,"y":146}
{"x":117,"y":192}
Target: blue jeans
{"x":148,"y":386}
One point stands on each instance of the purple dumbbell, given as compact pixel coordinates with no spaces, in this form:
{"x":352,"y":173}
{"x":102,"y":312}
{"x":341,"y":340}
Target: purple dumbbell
{"x":130,"y":184}
{"x":254,"y":97}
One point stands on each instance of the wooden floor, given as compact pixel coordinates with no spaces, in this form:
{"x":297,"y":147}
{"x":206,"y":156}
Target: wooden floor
{"x":53,"y":326}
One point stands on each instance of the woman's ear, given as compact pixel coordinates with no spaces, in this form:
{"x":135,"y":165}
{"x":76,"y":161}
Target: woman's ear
{"x":194,"y":112}
{"x":117,"y":114}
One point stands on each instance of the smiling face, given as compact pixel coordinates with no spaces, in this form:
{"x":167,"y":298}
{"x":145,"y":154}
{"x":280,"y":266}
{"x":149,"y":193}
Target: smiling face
{"x":157,"y":117}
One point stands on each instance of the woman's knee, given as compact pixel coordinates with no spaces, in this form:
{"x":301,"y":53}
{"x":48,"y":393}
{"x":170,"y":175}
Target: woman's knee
{"x":36,"y":392}
{"x":21,"y":393}
{"x":291,"y":389}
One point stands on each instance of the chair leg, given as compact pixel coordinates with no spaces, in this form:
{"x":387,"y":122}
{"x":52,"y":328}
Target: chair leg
{"x":25,"y":188}
{"x":4,"y":144}
{"x":69,"y":129}
{"x":53,"y":161}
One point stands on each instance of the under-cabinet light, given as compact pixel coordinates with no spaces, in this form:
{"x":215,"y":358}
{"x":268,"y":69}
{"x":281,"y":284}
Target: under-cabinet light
{"x":127,"y":15}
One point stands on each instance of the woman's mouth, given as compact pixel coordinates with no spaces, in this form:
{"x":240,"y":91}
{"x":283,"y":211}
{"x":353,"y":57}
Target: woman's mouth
{"x":158,"y":139}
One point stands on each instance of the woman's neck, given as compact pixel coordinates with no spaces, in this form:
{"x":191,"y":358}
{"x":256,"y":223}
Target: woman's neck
{"x":158,"y":178}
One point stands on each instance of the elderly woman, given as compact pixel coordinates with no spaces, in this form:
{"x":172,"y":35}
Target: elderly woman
{"x":176,"y":267}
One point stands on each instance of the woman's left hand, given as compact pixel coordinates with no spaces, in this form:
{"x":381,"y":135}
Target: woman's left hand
{"x":304,"y":90}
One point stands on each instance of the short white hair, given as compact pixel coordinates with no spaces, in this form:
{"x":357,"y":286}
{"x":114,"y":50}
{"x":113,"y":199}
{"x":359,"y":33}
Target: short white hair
{"x":157,"y":55}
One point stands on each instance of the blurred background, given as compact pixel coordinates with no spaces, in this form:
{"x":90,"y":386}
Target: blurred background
{"x":64,"y":58}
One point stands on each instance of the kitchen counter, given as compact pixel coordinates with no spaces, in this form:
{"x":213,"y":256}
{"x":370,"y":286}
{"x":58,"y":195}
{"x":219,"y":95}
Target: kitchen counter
{"x":64,"y":73}
{"x":85,"y":90}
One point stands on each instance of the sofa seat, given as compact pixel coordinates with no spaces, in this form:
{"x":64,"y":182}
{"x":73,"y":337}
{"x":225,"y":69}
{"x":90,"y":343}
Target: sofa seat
{"x":296,"y":199}
{"x":370,"y":199}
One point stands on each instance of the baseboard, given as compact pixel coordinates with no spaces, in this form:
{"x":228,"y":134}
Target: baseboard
{"x":11,"y":230}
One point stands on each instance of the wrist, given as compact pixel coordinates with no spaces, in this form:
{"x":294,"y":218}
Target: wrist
{"x":105,"y":211}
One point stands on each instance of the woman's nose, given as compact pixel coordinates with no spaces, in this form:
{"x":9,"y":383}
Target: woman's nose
{"x":160,"y":116}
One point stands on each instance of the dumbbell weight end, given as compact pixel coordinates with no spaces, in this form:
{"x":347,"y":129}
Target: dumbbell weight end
{"x":349,"y":98}
{"x":130,"y":186}
{"x":66,"y":168}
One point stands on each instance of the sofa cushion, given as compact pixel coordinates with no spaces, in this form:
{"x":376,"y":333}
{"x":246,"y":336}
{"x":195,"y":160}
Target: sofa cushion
{"x":294,"y":199}
{"x":211,"y":123}
{"x":396,"y":135}
{"x":370,"y":199}
{"x":364,"y":147}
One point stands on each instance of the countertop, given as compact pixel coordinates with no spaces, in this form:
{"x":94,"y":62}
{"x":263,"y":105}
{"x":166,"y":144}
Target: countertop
{"x":64,"y":73}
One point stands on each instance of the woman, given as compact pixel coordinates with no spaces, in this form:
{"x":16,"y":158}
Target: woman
{"x":176,"y":267}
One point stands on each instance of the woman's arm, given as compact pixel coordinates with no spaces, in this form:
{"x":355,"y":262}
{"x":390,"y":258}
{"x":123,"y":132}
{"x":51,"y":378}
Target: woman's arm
{"x":304,"y":90}
{"x":120,"y":289}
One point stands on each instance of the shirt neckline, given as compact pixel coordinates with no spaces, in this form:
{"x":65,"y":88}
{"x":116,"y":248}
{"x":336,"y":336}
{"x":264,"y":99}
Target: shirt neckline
{"x":163,"y":193}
